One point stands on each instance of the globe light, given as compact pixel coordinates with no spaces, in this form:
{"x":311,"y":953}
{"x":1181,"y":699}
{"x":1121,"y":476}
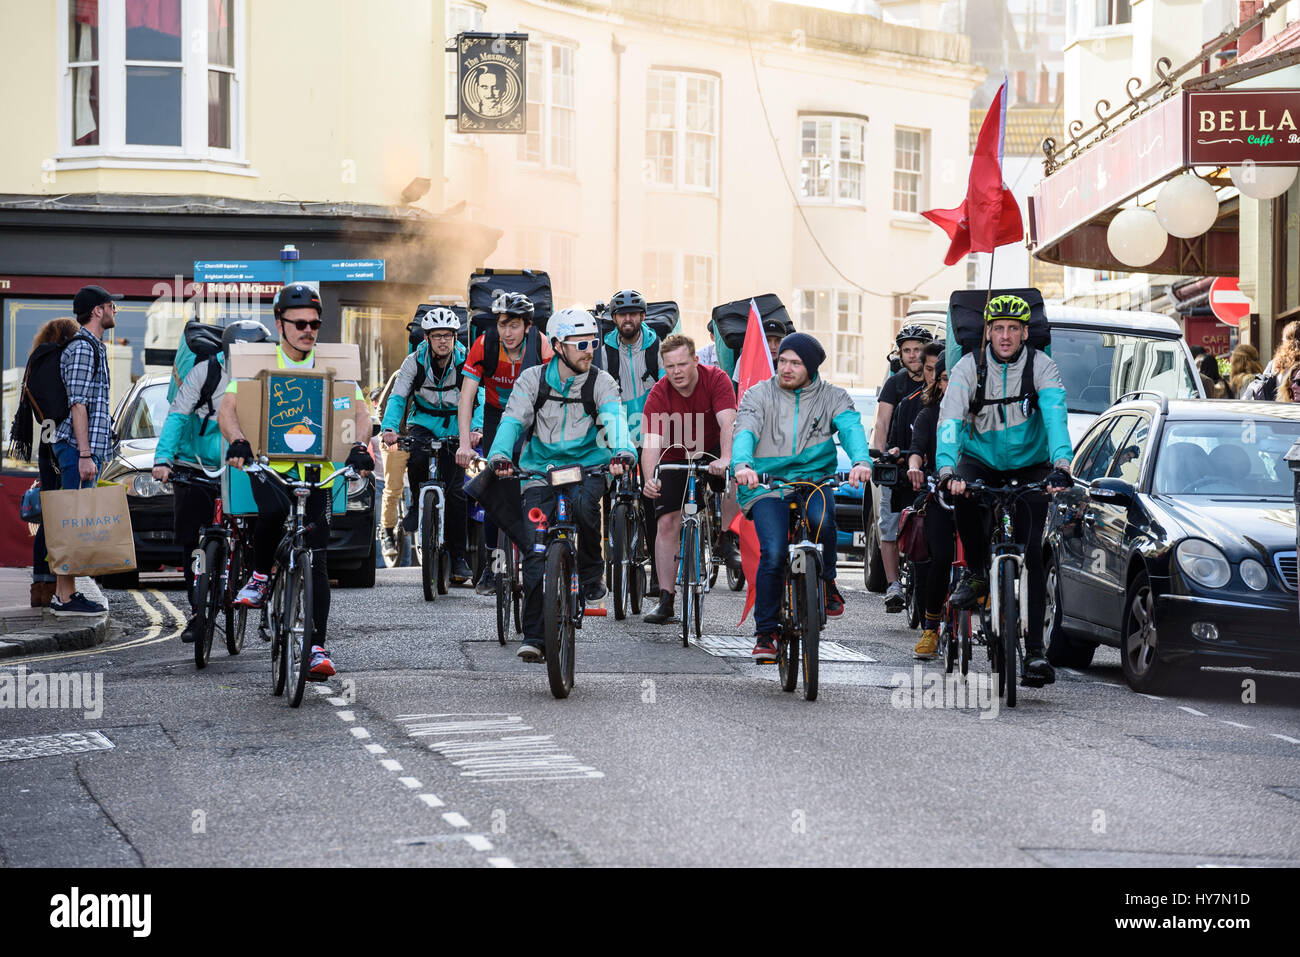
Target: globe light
{"x":1135,"y":237}
{"x":1187,"y":206}
{"x":1262,"y":182}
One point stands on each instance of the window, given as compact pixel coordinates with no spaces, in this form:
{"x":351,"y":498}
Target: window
{"x":659,"y":282}
{"x":903,"y":302}
{"x":553,"y":252}
{"x":135,"y":88}
{"x":697,"y":289}
{"x":831,"y":153}
{"x":909,"y":170}
{"x":834,"y":318}
{"x":551,"y":117}
{"x":382,"y":337}
{"x":681,"y":130}
{"x":461,"y":18}
{"x":1113,"y":12}
{"x":687,"y":279}
{"x":1096,"y":461}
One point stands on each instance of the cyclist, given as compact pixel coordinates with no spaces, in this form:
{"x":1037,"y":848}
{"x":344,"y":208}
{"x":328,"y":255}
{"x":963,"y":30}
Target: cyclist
{"x":429,"y":384}
{"x":939,"y":531}
{"x":905,"y":385}
{"x":297,"y":309}
{"x":785,"y":427}
{"x":190,"y":442}
{"x":692,"y":406}
{"x":495,"y":360}
{"x":632,"y":355}
{"x":1002,"y":435}
{"x":565,"y":413}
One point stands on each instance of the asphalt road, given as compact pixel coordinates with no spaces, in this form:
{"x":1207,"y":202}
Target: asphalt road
{"x":436,"y":746}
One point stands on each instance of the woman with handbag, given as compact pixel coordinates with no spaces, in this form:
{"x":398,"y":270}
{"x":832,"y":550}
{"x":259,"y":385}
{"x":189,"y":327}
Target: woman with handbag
{"x":22,"y":439}
{"x":939,"y":529}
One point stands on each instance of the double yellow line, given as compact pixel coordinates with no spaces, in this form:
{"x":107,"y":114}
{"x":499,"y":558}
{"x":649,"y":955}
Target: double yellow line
{"x":165,"y":622}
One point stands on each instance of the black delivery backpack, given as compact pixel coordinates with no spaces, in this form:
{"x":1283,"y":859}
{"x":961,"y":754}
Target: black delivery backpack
{"x":732,"y":318}
{"x":486,"y":284}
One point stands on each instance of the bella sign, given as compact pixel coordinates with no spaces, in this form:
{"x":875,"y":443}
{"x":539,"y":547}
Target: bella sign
{"x":1230,"y":127}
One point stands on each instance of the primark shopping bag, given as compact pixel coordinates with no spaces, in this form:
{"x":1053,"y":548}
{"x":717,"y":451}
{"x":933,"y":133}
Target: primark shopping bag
{"x":88,"y":531}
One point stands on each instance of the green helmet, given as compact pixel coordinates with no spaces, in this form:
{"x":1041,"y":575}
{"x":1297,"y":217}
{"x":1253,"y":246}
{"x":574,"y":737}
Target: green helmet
{"x":1006,"y":307}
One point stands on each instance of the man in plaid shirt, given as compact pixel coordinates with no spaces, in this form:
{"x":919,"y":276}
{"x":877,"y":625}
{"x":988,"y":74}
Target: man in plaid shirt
{"x":84,"y":439}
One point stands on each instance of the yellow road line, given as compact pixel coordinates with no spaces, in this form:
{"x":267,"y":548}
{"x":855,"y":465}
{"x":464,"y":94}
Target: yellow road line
{"x":152,"y":634}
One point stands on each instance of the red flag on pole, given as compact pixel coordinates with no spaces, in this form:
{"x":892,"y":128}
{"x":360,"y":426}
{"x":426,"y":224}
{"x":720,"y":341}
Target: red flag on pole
{"x":989,"y":215}
{"x":754,"y":366}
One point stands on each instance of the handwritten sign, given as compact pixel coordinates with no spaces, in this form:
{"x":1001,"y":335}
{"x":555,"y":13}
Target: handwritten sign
{"x":298,"y":408}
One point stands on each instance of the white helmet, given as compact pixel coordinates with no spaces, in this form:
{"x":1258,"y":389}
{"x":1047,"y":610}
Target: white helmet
{"x":439,"y":317}
{"x":571,"y":322}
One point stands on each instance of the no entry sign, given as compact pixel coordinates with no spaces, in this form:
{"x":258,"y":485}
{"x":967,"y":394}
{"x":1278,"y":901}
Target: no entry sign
{"x":1227,"y":302}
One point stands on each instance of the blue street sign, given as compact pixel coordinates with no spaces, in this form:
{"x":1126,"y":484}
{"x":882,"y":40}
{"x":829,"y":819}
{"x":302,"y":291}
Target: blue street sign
{"x":302,"y":270}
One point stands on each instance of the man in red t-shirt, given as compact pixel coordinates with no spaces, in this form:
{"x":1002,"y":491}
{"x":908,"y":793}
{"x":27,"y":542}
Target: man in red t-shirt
{"x":691,"y":409}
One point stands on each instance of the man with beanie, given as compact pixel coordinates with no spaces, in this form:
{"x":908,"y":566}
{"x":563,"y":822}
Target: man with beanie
{"x":786,"y":427}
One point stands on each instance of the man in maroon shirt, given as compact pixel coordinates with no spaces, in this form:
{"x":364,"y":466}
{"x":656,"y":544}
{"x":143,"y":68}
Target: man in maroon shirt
{"x":692,"y":406}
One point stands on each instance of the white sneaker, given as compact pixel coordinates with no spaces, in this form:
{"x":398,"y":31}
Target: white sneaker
{"x":530,"y":653}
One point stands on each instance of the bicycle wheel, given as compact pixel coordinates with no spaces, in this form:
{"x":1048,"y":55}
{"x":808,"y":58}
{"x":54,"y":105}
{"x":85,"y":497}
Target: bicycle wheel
{"x":274,"y":614}
{"x":236,"y":615}
{"x":637,"y":549}
{"x":620,"y":564}
{"x":559,"y":596}
{"x":503,"y":606}
{"x":810,"y":640}
{"x":787,"y":661}
{"x":428,"y":551}
{"x":299,"y":630}
{"x":207,"y":599}
{"x":964,"y":620}
{"x":517,"y":588}
{"x":1009,"y":636}
{"x":444,"y":570}
{"x":912,"y":595}
{"x":690,"y":574}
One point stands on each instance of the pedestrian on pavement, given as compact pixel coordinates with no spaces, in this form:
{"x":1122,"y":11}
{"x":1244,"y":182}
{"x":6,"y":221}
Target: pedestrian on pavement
{"x":84,"y":440}
{"x":1216,"y":387}
{"x":708,"y":355}
{"x":1288,"y":342}
{"x":1243,"y":368}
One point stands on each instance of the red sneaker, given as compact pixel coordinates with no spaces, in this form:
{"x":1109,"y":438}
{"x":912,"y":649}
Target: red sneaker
{"x":764,"y":649}
{"x":834,"y":601}
{"x":321,"y":666}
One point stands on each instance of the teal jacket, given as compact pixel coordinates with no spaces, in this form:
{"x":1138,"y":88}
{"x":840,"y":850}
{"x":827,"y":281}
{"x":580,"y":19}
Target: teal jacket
{"x":1003,"y":437}
{"x":186,"y":439}
{"x":633,"y":375}
{"x":789,"y":434}
{"x":561,"y":432}
{"x":434,"y":406}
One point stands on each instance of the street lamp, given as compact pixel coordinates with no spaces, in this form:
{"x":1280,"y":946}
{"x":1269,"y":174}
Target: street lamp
{"x":1135,"y":237}
{"x":1187,"y":206}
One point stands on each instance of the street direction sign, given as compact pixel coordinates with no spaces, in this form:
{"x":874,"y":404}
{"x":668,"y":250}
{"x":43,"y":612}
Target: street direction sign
{"x":1227,"y":301}
{"x":302,"y":270}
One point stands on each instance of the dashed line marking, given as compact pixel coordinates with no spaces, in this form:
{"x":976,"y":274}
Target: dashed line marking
{"x":376,"y":749}
{"x":1287,"y":738}
{"x":359,"y":732}
{"x":1236,"y":724}
{"x":478,"y":842}
{"x":501,"y":862}
{"x":337,"y":702}
{"x":432,"y":800}
{"x":346,"y":715}
{"x":455,"y":819}
{"x":390,"y":764}
{"x":322,"y":689}
{"x":412,"y":783}
{"x":1153,"y":697}
{"x":1199,"y":714}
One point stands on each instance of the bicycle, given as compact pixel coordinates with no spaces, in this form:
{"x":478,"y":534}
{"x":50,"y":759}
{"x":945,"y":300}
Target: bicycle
{"x":803,"y":600}
{"x":435,"y":561}
{"x":627,"y":546}
{"x":697,"y":572}
{"x":957,"y":637}
{"x":222,"y":564}
{"x":563,"y":606}
{"x":287,"y":615}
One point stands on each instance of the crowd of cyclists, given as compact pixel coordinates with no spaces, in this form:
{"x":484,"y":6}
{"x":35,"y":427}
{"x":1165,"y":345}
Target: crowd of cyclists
{"x":527,"y":400}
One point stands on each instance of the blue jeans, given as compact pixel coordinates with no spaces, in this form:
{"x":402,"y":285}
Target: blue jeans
{"x":69,"y":458}
{"x":772,"y":523}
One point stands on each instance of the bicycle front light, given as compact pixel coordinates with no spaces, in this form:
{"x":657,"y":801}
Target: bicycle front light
{"x":1203,"y":563}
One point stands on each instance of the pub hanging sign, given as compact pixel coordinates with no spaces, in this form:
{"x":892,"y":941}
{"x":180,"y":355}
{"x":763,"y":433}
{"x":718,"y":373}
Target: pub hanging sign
{"x":1231,"y":127}
{"x":492,"y":70}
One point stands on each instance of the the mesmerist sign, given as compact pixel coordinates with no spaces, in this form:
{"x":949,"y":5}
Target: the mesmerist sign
{"x":492,"y":73}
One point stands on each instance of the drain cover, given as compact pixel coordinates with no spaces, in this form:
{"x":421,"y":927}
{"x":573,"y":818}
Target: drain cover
{"x":50,"y":745}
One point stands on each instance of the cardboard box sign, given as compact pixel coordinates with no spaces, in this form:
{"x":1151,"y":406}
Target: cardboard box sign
{"x":247,"y":359}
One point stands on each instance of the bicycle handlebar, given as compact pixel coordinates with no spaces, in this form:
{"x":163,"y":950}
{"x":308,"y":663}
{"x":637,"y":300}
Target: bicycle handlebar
{"x":695,"y":465}
{"x":347,"y":472}
{"x":427,"y":443}
{"x":771,"y":484}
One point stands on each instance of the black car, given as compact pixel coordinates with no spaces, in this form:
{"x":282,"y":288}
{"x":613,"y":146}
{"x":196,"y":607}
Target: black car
{"x":137,"y":423}
{"x":1178,"y":543}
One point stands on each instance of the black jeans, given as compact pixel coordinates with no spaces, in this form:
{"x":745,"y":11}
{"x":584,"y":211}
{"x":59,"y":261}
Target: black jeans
{"x":48,"y":472}
{"x":584,"y":507}
{"x":453,"y":478}
{"x":973,"y":520}
{"x":939,"y":535}
{"x":273,"y":506}
{"x":192,"y":509}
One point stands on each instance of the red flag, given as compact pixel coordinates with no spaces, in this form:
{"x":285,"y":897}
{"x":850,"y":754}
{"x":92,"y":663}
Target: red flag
{"x":989,"y":215}
{"x":754,"y":366}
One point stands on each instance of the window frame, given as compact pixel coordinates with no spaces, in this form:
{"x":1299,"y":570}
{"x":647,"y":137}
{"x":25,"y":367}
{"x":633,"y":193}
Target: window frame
{"x":833,"y":197}
{"x":545,"y":126}
{"x":112,"y":150}
{"x":830,"y":335}
{"x":451,"y":98}
{"x":676,"y":291}
{"x":680,"y":133}
{"x":923,"y":179}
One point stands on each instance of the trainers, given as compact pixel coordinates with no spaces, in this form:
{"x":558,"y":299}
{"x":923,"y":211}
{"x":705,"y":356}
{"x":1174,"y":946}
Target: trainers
{"x":487,"y":582}
{"x":253,"y":595}
{"x":460,"y":570}
{"x":530,"y":652}
{"x":894,"y":598}
{"x":594,"y":592}
{"x":969,"y":591}
{"x":321,"y":666}
{"x":191,"y":631}
{"x":663,"y":612}
{"x":764,"y":649}
{"x":834,"y":601}
{"x":927,"y":646}
{"x":78,"y":604}
{"x":1038,"y":670}
{"x":389,"y":545}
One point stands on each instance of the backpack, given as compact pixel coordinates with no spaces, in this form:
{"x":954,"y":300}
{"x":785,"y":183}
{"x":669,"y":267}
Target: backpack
{"x":200,"y":341}
{"x":43,"y":383}
{"x":966,"y":322}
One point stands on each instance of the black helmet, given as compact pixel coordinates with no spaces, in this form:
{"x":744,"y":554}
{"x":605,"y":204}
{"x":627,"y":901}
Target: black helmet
{"x":626,"y":300}
{"x":245,"y":330}
{"x":513,"y":304}
{"x":294,"y":296}
{"x":919,"y":333}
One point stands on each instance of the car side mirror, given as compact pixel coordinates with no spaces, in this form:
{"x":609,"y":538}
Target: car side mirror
{"x":1113,"y":491}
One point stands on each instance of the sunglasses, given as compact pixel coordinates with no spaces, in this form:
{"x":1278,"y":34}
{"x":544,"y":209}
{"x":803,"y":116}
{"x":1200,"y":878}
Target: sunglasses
{"x":585,"y":345}
{"x":303,"y":324}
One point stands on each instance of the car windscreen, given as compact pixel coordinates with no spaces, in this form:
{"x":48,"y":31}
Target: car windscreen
{"x":144,"y":417}
{"x":1238,"y":457}
{"x":1099,"y":367}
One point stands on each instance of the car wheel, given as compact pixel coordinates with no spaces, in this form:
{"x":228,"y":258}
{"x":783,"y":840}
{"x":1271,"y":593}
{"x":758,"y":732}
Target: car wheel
{"x":1144,"y":669}
{"x":873,"y":566}
{"x":363,"y":576}
{"x":1062,"y":649}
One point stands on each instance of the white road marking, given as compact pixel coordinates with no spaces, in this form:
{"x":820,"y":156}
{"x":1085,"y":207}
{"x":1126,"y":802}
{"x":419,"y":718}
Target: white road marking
{"x":337,"y":702}
{"x":390,"y":764}
{"x":739,"y":646}
{"x":1287,"y":739}
{"x":412,"y":783}
{"x":322,"y":689}
{"x":1199,"y":714}
{"x":501,"y":862}
{"x":376,"y":749}
{"x":431,"y":799}
{"x":359,"y":732}
{"x":346,"y":715}
{"x":423,"y":724}
{"x":1153,"y":697}
{"x":1245,"y":727}
{"x":455,"y":820}
{"x":478,"y":842}
{"x":514,"y":758}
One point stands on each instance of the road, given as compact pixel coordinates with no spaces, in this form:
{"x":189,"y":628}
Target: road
{"x":435,"y":746}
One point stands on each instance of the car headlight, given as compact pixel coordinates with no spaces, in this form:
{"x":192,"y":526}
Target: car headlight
{"x":144,"y":485}
{"x":1203,"y":563}
{"x":1254,"y":574}
{"x":357,"y":494}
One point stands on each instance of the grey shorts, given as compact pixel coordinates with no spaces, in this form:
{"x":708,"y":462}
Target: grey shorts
{"x":888,"y":518}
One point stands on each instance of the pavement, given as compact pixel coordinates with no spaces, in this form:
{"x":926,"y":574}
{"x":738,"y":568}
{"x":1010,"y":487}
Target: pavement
{"x":25,"y":630}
